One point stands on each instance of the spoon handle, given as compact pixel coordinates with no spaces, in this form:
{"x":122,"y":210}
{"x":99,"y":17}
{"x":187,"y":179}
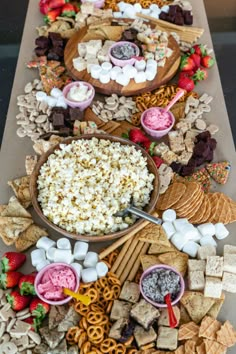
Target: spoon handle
{"x":144,"y":215}
{"x":179,"y":94}
{"x":171,"y":314}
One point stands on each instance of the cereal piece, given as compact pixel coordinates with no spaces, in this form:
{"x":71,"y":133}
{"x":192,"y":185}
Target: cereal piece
{"x":176,"y":141}
{"x":213,"y":287}
{"x":130,"y":292}
{"x":226,"y":335}
{"x":169,"y":157}
{"x":167,"y":338}
{"x":214,"y":266}
{"x":188,"y":331}
{"x":120,"y":309}
{"x":196,"y":280}
{"x":208,"y":328}
{"x":143,"y":336}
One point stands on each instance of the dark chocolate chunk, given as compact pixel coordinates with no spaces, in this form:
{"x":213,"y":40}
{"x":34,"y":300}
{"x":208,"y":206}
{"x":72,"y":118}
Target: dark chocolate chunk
{"x":187,"y":170}
{"x":176,"y":166}
{"x":58,"y":50}
{"x":42,"y":42}
{"x":203,"y":136}
{"x":40,"y":51}
{"x":210,"y":156}
{"x":179,"y":9}
{"x":199,"y":160}
{"x":65,"y":131}
{"x":199,"y":148}
{"x":56,"y":39}
{"x":58,"y":120}
{"x":127,"y":332}
{"x":179,"y":20}
{"x":171,"y":18}
{"x":192,"y":162}
{"x":75,"y":114}
{"x":163,"y":16}
{"x":173,"y":9}
{"x":53,"y":56}
{"x":212,"y":143}
{"x":188,"y":19}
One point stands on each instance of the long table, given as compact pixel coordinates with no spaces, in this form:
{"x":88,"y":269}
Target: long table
{"x":14,"y":149}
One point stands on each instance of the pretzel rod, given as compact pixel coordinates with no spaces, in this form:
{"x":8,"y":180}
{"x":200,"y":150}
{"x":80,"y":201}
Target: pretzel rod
{"x":127,"y":256}
{"x":123,"y":239}
{"x":137,"y":263}
{"x":121,"y":255}
{"x":131,"y":262}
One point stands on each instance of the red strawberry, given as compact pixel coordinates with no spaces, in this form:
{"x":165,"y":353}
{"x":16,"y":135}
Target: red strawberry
{"x":39,"y":308}
{"x":186,"y":83}
{"x":12,"y":261}
{"x":44,"y":8}
{"x":197,"y":59}
{"x":200,"y":74}
{"x":137,"y":136}
{"x":17,"y":301}
{"x":198,"y":49}
{"x":10,"y":279}
{"x":189,"y":73}
{"x":207,"y":61}
{"x":26,"y":284}
{"x":34,"y":322}
{"x":53,"y":4}
{"x":77,"y":8}
{"x":149,"y":146}
{"x":68,"y":10}
{"x":158,"y":161}
{"x":52,"y":15}
{"x":187,"y":63}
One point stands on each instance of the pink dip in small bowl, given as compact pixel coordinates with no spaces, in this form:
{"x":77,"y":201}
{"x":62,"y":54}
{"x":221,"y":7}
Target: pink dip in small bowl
{"x":161,"y":267}
{"x":51,"y":280}
{"x":156,"y":122}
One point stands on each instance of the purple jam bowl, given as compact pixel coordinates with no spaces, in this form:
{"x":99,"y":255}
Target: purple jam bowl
{"x":75,"y":104}
{"x":154,"y":132}
{"x":120,"y":62}
{"x":41,"y":274}
{"x":161,"y":266}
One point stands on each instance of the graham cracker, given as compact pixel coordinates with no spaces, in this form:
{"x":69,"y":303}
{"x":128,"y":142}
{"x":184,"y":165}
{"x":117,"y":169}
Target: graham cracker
{"x":188,"y":330}
{"x":157,"y":249}
{"x":196,"y":304}
{"x":208,"y":328}
{"x":12,"y":227}
{"x":184,"y":316}
{"x":171,"y":196}
{"x":226,"y":335}
{"x":29,"y":237}
{"x":14,"y":208}
{"x":178,"y":260}
{"x":20,"y":187}
{"x":216,"y":307}
{"x":213,"y":347}
{"x":148,"y":261}
{"x":154,"y":234}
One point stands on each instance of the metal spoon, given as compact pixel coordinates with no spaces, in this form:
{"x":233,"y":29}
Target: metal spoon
{"x":140,"y":213}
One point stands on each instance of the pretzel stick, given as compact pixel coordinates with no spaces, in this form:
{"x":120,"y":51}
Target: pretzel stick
{"x":127,"y":256}
{"x":137,"y":263}
{"x":121,"y":255}
{"x":131,"y":262}
{"x":123,"y":239}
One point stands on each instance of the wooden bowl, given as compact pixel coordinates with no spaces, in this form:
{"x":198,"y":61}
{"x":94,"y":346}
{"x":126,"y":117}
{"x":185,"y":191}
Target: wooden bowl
{"x":100,"y":238}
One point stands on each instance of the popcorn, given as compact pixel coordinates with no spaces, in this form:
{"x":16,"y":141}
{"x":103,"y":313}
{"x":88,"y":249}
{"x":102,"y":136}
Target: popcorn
{"x":84,"y":184}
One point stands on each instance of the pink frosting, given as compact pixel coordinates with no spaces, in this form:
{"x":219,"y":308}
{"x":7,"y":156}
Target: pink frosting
{"x":157,"y":119}
{"x":54,"y":280}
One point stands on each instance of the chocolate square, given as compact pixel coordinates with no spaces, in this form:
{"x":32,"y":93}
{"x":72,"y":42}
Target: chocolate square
{"x":58,"y":50}
{"x":58,"y":120}
{"x":203,"y":136}
{"x":176,"y":167}
{"x":53,"y":56}
{"x":187,"y":170}
{"x":40,"y":51}
{"x":42,"y":42}
{"x":75,"y":114}
{"x":56,"y":39}
{"x":188,"y":19}
{"x":163,"y":16}
{"x":179,"y":20}
{"x":172,"y":10}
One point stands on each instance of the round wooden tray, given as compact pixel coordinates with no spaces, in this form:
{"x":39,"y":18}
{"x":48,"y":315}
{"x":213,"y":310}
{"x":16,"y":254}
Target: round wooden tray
{"x":164,"y":74}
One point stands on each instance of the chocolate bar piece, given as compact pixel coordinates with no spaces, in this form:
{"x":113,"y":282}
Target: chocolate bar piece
{"x":56,"y":39}
{"x":42,"y":42}
{"x":40,"y":51}
{"x":52,"y":55}
{"x":58,"y":50}
{"x":179,"y":20}
{"x":75,"y":114}
{"x":163,"y":16}
{"x":188,"y":18}
{"x":58,"y":120}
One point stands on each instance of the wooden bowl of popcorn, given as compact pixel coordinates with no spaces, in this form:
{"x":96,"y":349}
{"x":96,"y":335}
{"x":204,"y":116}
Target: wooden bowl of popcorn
{"x":79,"y":185}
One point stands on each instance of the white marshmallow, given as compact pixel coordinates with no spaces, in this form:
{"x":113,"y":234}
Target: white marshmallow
{"x":155,"y":14}
{"x":78,"y":268}
{"x":207,"y":229}
{"x":122,"y":5}
{"x":154,"y":7}
{"x":150,"y":74}
{"x":140,"y":65}
{"x":191,"y":248}
{"x":129,"y":70}
{"x":169,"y":215}
{"x":95,"y":71}
{"x":106,"y":66}
{"x":101,"y":269}
{"x":91,"y":260}
{"x":61,"y":102}
{"x":178,"y":223}
{"x":179,"y":240}
{"x":45,"y":243}
{"x":80,"y":250}
{"x":137,"y":7}
{"x":117,"y":14}
{"x":151,"y":63}
{"x":208,"y":240}
{"x":189,"y":231}
{"x":104,"y":77}
{"x":89,"y":275}
{"x":146,"y":11}
{"x":50,"y":254}
{"x":51,"y":101}
{"x":169,"y":228}
{"x":165,"y":8}
{"x":221,"y":231}
{"x":63,"y":244}
{"x":56,"y":92}
{"x":41,"y":265}
{"x":115,"y":71}
{"x":64,"y":256}
{"x":197,"y":237}
{"x":129,"y":11}
{"x":41,"y":96}
{"x":122,"y":79}
{"x":38,"y":256}
{"x":140,"y":77}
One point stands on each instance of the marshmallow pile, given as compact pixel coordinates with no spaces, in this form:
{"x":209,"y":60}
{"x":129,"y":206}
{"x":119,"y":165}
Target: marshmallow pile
{"x":188,"y":238}
{"x":141,"y":71}
{"x":49,"y":251}
{"x":55,"y":99}
{"x":129,"y":11}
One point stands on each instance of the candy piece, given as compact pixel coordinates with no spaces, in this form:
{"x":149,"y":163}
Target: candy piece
{"x":42,"y":264}
{"x":56,"y":92}
{"x":61,"y":102}
{"x":64,"y":256}
{"x":78,"y":268}
{"x":179,"y":240}
{"x":95,"y":71}
{"x":63,"y":244}
{"x":45,"y":243}
{"x":50,"y":254}
{"x":219,"y":171}
{"x":169,"y":229}
{"x":101,"y":269}
{"x":80,"y":250}
{"x":191,"y":248}
{"x":178,"y":223}
{"x":208,"y":240}
{"x":37,"y":256}
{"x":51,"y":101}
{"x":207,"y":229}
{"x":169,"y":215}
{"x":89,"y":275}
{"x":91,"y":260}
{"x":220,"y":231}
{"x":189,"y":231}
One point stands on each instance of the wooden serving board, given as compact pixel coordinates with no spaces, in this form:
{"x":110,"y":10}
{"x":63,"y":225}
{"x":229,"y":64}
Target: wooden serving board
{"x":164,"y":74}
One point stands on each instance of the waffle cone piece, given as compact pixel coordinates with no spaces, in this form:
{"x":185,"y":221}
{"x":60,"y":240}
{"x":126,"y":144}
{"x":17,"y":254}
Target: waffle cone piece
{"x":209,"y":327}
{"x":188,"y":331}
{"x":226,"y":335}
{"x":171,"y":196}
{"x":213,"y":347}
